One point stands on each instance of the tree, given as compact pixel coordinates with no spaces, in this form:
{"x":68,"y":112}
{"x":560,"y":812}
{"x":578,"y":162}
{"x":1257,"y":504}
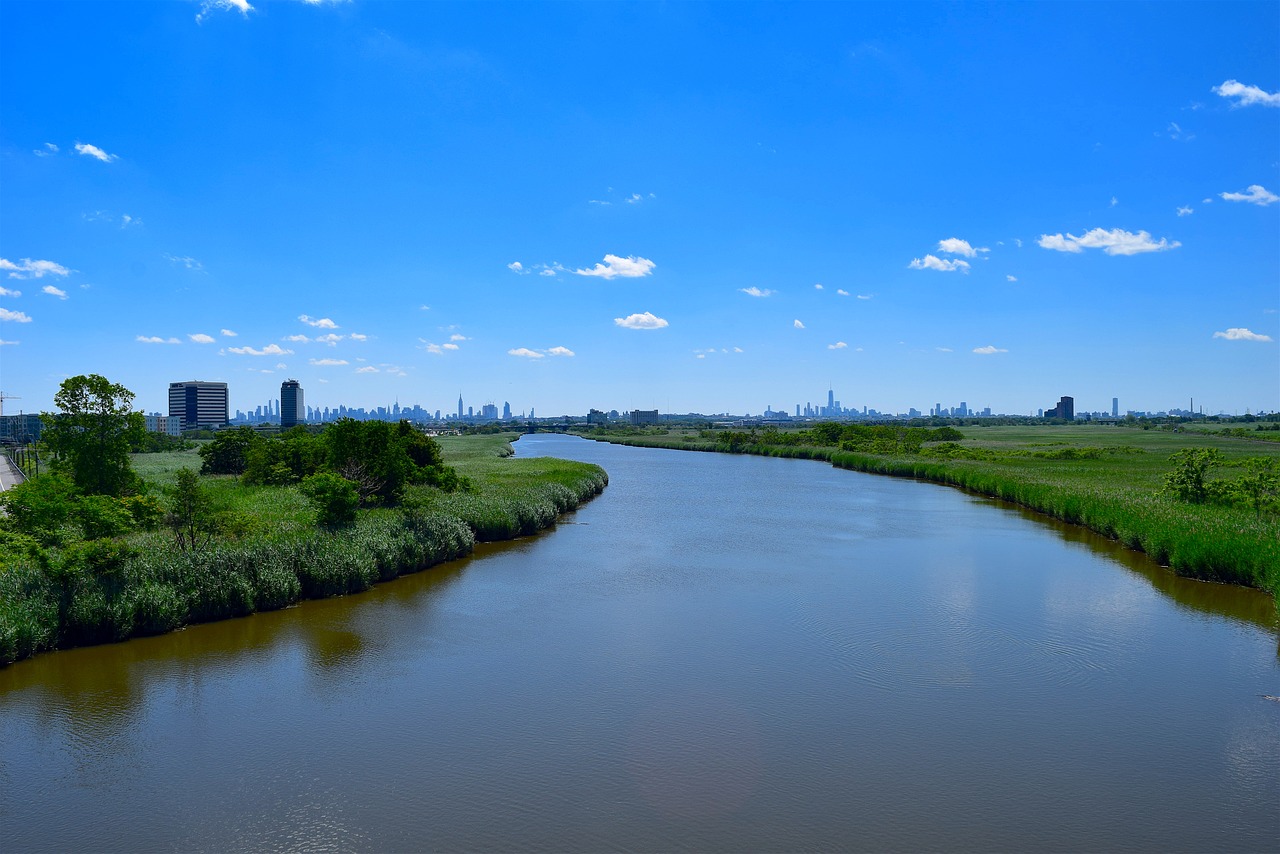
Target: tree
{"x":190,"y":511}
{"x":1187,"y":481}
{"x":335,"y":498}
{"x":228,"y":453}
{"x":93,"y":433}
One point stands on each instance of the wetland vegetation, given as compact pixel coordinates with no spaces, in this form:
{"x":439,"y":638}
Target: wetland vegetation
{"x":1205,"y":504}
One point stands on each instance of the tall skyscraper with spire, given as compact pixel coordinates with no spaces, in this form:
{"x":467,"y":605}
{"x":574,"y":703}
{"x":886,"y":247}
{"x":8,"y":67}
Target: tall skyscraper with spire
{"x":459,"y":404}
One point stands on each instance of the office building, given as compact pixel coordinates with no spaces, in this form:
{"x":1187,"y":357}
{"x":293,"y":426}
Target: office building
{"x":199,"y":404}
{"x":292,"y":411}
{"x":1115,"y":407}
{"x":1066,"y":409}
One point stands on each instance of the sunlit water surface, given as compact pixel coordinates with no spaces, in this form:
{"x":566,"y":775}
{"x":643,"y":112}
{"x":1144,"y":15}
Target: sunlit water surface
{"x":719,"y":653}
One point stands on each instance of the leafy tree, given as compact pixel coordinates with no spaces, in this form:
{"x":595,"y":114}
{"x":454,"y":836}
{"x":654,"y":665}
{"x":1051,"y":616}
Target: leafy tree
{"x":228,"y":453}
{"x":102,"y":516}
{"x":92,"y":434}
{"x":335,"y":498}
{"x":1187,"y":481}
{"x":190,"y":513}
{"x":41,"y":508}
{"x":1259,"y":488}
{"x":286,"y":459}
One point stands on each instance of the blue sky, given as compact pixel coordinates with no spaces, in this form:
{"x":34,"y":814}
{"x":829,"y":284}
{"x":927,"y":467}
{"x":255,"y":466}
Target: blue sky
{"x":676,"y":206}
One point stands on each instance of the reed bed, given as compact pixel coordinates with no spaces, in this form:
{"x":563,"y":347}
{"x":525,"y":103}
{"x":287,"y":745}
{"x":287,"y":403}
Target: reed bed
{"x":146,"y":586}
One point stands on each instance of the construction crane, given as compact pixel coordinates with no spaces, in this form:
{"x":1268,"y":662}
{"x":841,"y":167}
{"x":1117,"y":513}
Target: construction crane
{"x":3,"y":398}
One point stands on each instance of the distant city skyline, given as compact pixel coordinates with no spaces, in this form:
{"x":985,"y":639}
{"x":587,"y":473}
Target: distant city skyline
{"x":719,"y":207}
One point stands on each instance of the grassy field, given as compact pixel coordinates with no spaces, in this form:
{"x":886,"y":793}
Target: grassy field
{"x":271,"y":553}
{"x":1108,"y":479}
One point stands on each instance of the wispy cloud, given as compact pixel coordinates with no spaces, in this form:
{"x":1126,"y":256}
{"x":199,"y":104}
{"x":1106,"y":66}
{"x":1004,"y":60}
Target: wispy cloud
{"x":561,"y":351}
{"x":5,"y":292}
{"x":358,"y":336}
{"x":201,"y":338}
{"x":753,"y":291}
{"x":1185,"y":210}
{"x":933,"y":262}
{"x":4,"y":343}
{"x":54,"y":292}
{"x":95,"y":152}
{"x":866,"y":296}
{"x":437,"y":349}
{"x":14,"y":316}
{"x":228,"y":333}
{"x":989,"y":350}
{"x":796,"y":324}
{"x":367,"y":369}
{"x":817,"y":287}
{"x":615,"y":266}
{"x":1239,"y":333}
{"x":331,"y":339}
{"x":1114,"y":242}
{"x":156,"y":339}
{"x":1175,"y":131}
{"x":209,"y":6}
{"x":1011,"y":278}
{"x":318,"y":323}
{"x":184,"y":261}
{"x":839,"y":345}
{"x":1246,"y":96}
{"x":525,"y":353}
{"x":647,"y":320}
{"x":1255,"y":195}
{"x":269,"y":350}
{"x":48,"y":151}
{"x":517,"y":267}
{"x":956,"y":246}
{"x":326,"y":363}
{"x":29,"y":269}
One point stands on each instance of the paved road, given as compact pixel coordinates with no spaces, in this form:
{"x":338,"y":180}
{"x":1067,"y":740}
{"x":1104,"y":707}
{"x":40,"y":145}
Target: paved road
{"x":9,"y":474}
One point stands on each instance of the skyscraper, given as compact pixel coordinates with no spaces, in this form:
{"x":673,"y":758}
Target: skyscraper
{"x":459,"y":405}
{"x":199,"y":404}
{"x":292,"y":411}
{"x":1115,"y":407}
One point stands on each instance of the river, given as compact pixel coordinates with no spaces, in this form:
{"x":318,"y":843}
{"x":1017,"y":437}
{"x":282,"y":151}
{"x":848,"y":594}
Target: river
{"x":718,"y":653}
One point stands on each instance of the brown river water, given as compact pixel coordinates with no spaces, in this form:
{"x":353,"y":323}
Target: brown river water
{"x":718,"y":653}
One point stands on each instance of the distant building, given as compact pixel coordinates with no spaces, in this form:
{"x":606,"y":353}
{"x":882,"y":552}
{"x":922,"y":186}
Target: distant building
{"x":506,"y":411}
{"x":157,"y":423}
{"x":198,"y":404}
{"x":1115,"y":407}
{"x":292,"y":410}
{"x":459,"y":406}
{"x":644,"y":416}
{"x":1066,"y":409}
{"x":20,"y":429}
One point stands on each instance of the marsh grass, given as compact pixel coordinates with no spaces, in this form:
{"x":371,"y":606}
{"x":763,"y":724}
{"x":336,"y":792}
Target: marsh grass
{"x":1107,"y":479}
{"x":277,"y":557}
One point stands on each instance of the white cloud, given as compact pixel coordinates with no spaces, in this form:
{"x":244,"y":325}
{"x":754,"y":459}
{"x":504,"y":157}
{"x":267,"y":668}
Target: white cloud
{"x":331,"y":339}
{"x":4,"y":343}
{"x":817,"y":287}
{"x":367,"y":369}
{"x":436,"y":349}
{"x":525,"y":353}
{"x":932,"y":262}
{"x":737,"y":349}
{"x":1185,"y":210}
{"x":228,"y":333}
{"x":989,"y":350}
{"x":1238,"y":333}
{"x":841,"y":292}
{"x":599,"y":202}
{"x":956,"y":246}
{"x":449,"y":346}
{"x":1114,"y":202}
{"x":1255,"y":195}
{"x":54,"y":292}
{"x":1247,"y":95}
{"x":457,"y":337}
{"x":1114,"y":242}
{"x":29,"y":269}
{"x":614,"y":266}
{"x":321,"y":323}
{"x":547,"y":271}
{"x":185,"y":260}
{"x":156,"y":339}
{"x":324,"y":363}
{"x":280,"y":366}
{"x":14,"y":316}
{"x":358,"y":336}
{"x":1011,"y":278}
{"x":797,"y":324}
{"x":5,"y":292}
{"x":298,"y":339}
{"x":95,"y":152}
{"x":269,"y":350}
{"x":560,"y":351}
{"x":753,"y":291}
{"x":640,"y":321}
{"x":517,"y":267}
{"x":48,"y":151}
{"x":201,"y":338}
{"x":839,"y":345}
{"x":126,"y":221}
{"x":700,"y":356}
{"x":943,"y":349}
{"x":865,"y":296}
{"x":208,"y":6}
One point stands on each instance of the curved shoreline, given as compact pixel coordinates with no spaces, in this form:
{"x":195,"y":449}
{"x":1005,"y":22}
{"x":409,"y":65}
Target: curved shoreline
{"x":159,"y":591}
{"x":1185,"y":549}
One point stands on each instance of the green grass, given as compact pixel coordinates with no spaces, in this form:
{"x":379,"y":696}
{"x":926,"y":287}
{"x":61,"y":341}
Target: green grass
{"x":1107,"y":479}
{"x":277,"y":556}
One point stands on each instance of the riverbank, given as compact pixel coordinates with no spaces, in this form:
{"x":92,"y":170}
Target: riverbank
{"x":1106,"y":479}
{"x":272,"y":554}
